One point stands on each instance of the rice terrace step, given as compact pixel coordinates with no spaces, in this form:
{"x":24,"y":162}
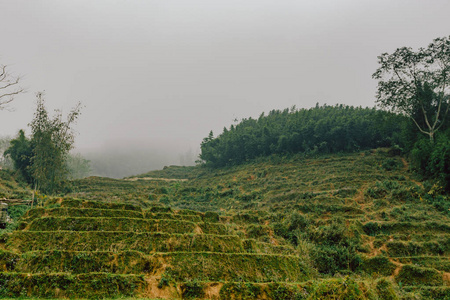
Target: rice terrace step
{"x":76,"y":248}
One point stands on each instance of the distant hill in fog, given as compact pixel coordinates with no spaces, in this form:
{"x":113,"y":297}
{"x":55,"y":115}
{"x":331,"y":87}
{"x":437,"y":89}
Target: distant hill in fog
{"x":123,"y":161}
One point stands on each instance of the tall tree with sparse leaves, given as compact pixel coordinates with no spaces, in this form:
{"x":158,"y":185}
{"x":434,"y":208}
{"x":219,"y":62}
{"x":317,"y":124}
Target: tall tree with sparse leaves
{"x":51,"y":140}
{"x":417,"y":84}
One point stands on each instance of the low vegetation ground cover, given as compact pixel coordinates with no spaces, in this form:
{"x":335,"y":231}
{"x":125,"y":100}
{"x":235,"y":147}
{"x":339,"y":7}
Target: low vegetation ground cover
{"x":361,"y":225}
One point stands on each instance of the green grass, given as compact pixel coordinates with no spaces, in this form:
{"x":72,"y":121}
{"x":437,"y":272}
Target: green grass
{"x":356,"y":226}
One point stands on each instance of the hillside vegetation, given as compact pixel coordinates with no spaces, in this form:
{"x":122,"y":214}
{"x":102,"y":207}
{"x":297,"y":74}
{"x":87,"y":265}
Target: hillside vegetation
{"x":330,"y":130}
{"x":322,"y":129}
{"x":359,"y":226}
{"x":316,"y":213}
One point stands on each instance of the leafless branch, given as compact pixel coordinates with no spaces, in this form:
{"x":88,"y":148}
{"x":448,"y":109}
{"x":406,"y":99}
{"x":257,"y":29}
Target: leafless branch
{"x":9,"y":87}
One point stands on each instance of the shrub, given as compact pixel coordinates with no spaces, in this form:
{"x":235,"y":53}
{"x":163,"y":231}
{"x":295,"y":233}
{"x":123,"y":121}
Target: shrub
{"x":433,"y":160}
{"x":278,"y":291}
{"x":385,"y":290}
{"x":439,"y":162}
{"x":210,"y":216}
{"x":240,"y":290}
{"x":192,"y":290}
{"x":345,"y":288}
{"x":379,"y":265}
{"x":331,"y":259}
{"x":391,"y":164}
{"x":413,"y":275}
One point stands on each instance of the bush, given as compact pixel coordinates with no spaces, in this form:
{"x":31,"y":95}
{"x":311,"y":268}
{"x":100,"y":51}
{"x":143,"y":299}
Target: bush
{"x":240,"y":290}
{"x":278,"y":291}
{"x":192,"y":290}
{"x":335,"y":233}
{"x":439,"y":162}
{"x":413,"y":275}
{"x":378,"y":265}
{"x":391,"y":164}
{"x":210,"y":216}
{"x":331,"y":259}
{"x":433,"y":160}
{"x":345,"y":288}
{"x":386,"y":290}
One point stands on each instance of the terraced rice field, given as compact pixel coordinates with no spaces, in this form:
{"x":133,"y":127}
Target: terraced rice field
{"x":349,"y":226}
{"x":125,"y":251}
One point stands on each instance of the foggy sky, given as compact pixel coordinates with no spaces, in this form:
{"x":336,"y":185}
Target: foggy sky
{"x":162,"y":74}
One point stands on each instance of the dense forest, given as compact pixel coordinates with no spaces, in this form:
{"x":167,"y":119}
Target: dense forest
{"x":322,"y":129}
{"x":329,"y":129}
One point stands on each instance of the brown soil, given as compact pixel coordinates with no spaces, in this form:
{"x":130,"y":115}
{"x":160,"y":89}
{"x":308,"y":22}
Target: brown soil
{"x":198,"y":230}
{"x":213,"y":290}
{"x":398,"y":269}
{"x":375,"y":251}
{"x":446,"y":278}
{"x":167,"y":292}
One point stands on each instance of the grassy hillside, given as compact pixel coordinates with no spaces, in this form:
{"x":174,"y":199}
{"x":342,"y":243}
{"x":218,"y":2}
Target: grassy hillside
{"x":11,"y":187}
{"x":348,"y":226}
{"x":361,"y":213}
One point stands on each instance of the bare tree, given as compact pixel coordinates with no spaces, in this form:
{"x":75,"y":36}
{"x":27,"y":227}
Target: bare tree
{"x":9,"y":86}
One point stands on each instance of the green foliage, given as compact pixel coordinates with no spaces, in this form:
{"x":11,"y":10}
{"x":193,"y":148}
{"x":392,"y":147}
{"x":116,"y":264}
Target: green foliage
{"x":385,"y":290}
{"x":12,"y":186}
{"x":51,"y":141}
{"x":330,"y":259}
{"x":432,"y":160}
{"x":253,"y":267}
{"x":378,"y":265}
{"x":122,"y":240}
{"x":192,"y":290}
{"x":278,"y":291}
{"x":440,"y":202}
{"x":240,"y":290}
{"x":414,"y":248}
{"x":44,"y":159}
{"x":413,"y":275}
{"x":164,"y":281}
{"x":210,"y":216}
{"x":17,"y":211}
{"x":325,"y":129}
{"x":391,"y":164}
{"x":123,"y":224}
{"x":345,"y":288}
{"x":266,"y":237}
{"x":439,"y":161}
{"x":91,"y":285}
{"x":415,"y":83}
{"x":21,"y":153}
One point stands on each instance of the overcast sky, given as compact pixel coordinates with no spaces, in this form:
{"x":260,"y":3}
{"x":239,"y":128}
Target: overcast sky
{"x":166,"y":72}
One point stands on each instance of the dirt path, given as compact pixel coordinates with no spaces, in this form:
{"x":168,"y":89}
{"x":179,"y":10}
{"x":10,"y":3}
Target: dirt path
{"x":155,"y":179}
{"x":406,"y":168}
{"x":405,"y":164}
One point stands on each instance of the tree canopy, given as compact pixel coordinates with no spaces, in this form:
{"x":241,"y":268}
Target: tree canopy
{"x":322,"y":129}
{"x":416,"y":84}
{"x":43,"y":158}
{"x":20,"y":152}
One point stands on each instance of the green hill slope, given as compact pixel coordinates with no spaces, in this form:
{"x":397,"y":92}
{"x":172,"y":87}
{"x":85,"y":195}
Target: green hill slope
{"x":349,"y":226}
